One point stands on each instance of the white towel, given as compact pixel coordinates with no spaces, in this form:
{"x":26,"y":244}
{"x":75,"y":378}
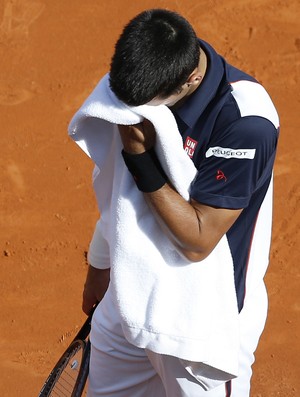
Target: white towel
{"x":167,"y":304}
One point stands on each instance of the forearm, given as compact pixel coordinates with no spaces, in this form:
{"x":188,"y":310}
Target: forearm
{"x":96,"y":284}
{"x":186,"y":226}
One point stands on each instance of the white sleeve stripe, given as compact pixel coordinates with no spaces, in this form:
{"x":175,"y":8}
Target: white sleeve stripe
{"x":253,"y":100}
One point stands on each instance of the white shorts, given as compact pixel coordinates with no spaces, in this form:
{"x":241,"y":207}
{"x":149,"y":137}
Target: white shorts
{"x":119,"y":369}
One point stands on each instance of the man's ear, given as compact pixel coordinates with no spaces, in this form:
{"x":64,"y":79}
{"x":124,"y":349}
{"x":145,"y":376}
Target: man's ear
{"x":194,"y":78}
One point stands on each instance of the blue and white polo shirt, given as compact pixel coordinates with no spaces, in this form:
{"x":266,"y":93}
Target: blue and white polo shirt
{"x":230,"y":130}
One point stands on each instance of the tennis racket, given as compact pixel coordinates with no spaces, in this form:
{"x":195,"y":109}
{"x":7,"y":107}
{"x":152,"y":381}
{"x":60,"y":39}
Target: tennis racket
{"x":69,"y":375}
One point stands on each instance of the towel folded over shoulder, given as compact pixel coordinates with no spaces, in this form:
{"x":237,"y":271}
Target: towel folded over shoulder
{"x":167,"y":304}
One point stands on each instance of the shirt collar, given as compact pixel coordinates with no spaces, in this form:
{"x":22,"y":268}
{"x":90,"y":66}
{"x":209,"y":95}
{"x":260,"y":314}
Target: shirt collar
{"x":194,"y":106}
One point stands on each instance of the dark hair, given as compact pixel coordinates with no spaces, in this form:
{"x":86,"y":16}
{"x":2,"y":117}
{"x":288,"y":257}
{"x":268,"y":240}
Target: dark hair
{"x":154,"y":56}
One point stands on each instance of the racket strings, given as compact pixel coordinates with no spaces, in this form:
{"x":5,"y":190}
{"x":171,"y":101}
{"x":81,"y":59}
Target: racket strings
{"x":67,"y":377}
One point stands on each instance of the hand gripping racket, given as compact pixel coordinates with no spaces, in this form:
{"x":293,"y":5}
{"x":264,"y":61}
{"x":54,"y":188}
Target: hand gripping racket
{"x":69,"y":375}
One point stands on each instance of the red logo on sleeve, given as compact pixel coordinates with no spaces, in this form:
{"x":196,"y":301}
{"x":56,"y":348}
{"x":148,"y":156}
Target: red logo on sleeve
{"x":190,"y":146}
{"x":221,"y":176}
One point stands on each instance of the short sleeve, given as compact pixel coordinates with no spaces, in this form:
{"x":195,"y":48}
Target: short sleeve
{"x":98,"y":254}
{"x":234,"y":161}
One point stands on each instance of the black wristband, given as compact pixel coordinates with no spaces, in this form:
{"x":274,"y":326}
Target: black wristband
{"x":146,"y":170}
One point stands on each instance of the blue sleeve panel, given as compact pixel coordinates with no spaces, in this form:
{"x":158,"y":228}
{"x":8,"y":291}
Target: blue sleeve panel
{"x":228,"y":175}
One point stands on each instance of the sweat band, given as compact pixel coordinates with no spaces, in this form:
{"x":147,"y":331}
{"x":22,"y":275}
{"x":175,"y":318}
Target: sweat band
{"x":146,"y":170}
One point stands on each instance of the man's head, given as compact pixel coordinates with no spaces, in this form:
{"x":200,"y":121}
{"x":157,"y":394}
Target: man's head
{"x":155,"y":55}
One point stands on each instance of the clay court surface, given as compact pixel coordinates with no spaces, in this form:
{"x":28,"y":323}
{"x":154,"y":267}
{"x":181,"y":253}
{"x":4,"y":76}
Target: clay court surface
{"x":52,"y":54}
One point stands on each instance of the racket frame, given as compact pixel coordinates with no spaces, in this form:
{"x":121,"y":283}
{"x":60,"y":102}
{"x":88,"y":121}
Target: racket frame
{"x":80,"y":340}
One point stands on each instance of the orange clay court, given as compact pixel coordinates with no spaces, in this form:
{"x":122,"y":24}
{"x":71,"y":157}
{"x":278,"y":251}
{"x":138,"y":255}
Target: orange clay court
{"x":52,"y":54}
